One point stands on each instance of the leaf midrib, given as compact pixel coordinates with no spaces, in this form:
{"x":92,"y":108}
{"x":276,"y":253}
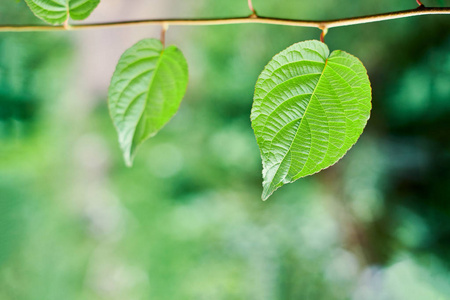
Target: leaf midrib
{"x":148,"y":93}
{"x":296,"y":132}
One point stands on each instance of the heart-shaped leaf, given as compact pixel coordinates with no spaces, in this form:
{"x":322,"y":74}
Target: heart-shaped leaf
{"x":309,"y":109}
{"x":57,"y":11}
{"x":145,"y":92}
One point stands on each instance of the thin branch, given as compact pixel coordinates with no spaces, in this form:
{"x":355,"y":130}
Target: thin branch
{"x":240,"y":20}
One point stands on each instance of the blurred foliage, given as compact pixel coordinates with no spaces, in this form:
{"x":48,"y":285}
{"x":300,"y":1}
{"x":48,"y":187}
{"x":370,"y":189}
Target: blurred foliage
{"x":186,"y":222}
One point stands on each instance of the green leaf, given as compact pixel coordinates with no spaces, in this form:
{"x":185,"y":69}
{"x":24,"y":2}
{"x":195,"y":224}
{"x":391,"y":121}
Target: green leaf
{"x":309,"y":109}
{"x":58,"y":11}
{"x":145,"y":92}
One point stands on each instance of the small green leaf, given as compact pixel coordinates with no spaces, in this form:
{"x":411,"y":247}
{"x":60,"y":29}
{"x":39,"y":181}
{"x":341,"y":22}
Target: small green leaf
{"x":145,"y":92}
{"x":309,"y":109}
{"x":58,"y":11}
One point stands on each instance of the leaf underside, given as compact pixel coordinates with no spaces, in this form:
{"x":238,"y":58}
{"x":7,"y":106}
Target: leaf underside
{"x":145,"y":92}
{"x":58,"y":11}
{"x":309,"y":109}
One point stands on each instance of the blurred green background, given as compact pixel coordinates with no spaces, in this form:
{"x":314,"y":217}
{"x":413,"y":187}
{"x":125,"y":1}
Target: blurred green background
{"x":187,"y":221}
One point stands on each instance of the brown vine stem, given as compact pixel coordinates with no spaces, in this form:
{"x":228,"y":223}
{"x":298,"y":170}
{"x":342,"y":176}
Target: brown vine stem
{"x":421,"y":10}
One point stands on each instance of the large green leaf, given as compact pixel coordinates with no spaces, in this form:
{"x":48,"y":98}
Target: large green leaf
{"x":57,"y":11}
{"x":145,"y":92}
{"x":309,"y":108}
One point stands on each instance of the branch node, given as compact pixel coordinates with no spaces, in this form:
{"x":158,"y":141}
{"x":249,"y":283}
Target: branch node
{"x":420,"y":3}
{"x":254,"y":15}
{"x":66,"y":24}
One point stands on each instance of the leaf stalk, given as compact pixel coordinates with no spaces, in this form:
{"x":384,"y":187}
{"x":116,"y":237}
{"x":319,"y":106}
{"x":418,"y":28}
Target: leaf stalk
{"x":164,"y":28}
{"x":322,"y":35}
{"x":252,"y":9}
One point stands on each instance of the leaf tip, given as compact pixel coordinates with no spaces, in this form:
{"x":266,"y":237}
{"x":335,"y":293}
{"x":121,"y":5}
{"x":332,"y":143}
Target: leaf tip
{"x":128,"y":160}
{"x":267,"y":192}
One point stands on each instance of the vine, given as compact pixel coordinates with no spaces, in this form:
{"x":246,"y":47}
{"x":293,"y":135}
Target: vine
{"x":310,"y":106}
{"x":253,"y":18}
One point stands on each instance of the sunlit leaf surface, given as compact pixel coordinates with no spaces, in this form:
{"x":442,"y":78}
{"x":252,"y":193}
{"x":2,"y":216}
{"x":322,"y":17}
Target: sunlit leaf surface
{"x":309,"y":108}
